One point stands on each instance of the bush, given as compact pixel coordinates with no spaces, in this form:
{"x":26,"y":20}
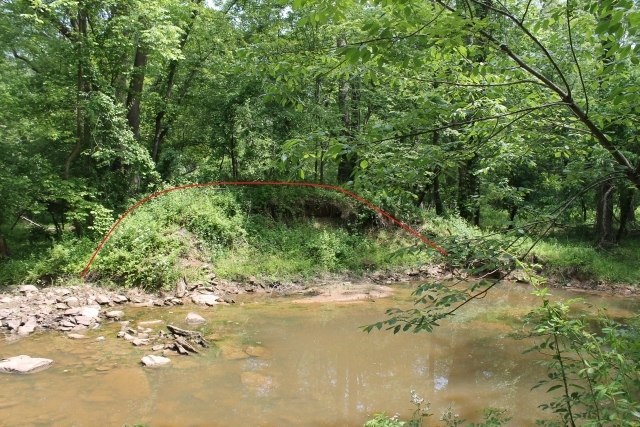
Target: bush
{"x":145,"y":249}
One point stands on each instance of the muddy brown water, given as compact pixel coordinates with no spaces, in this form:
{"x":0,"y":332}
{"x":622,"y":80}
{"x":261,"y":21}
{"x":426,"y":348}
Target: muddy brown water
{"x":278,"y":363}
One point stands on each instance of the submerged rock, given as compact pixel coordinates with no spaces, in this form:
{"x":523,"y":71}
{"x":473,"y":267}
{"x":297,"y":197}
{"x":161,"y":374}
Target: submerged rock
{"x":77,"y":336}
{"x":194,"y":318}
{"x":153,"y":360}
{"x":24,"y":364}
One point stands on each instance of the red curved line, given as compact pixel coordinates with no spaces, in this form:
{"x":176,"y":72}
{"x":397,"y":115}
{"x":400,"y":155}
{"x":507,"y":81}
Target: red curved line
{"x":241,"y":183}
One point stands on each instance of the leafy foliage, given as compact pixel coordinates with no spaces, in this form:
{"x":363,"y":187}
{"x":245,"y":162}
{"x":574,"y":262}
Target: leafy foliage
{"x":592,"y":366}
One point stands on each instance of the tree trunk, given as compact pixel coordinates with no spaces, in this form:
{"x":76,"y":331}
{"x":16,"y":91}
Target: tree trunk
{"x":627,"y":211}
{"x":136,"y":85}
{"x":83,"y":87}
{"x":604,"y":216}
{"x":435,"y":191}
{"x":468,"y":191}
{"x":347,"y":161}
{"x":161,"y":129}
{"x":233,"y":153}
{"x":4,"y":248}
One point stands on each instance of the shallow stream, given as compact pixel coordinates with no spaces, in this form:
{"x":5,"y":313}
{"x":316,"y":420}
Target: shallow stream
{"x":279,"y":363}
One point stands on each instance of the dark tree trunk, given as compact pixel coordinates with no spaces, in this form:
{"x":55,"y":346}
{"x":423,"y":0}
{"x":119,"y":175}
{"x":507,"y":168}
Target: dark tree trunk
{"x":627,"y":211}
{"x":83,"y":86}
{"x":513,"y":211}
{"x":233,"y":153}
{"x":468,"y":191}
{"x":347,"y":161}
{"x":435,"y":191}
{"x":162,"y":129}
{"x":605,"y":237}
{"x":136,"y":85}
{"x":4,"y":248}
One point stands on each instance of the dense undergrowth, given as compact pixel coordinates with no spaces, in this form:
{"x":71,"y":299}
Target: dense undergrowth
{"x":282,"y":233}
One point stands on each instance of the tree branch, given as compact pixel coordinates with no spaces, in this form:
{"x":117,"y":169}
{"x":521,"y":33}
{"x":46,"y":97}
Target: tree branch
{"x":533,"y":38}
{"x":450,"y":83}
{"x":24,"y":59}
{"x":596,"y":132}
{"x":575,"y":59}
{"x":467,"y":122}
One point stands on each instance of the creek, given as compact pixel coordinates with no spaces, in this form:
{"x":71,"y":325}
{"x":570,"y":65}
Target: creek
{"x":279,"y":363}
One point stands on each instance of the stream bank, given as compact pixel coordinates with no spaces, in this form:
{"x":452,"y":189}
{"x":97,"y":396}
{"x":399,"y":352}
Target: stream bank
{"x":28,"y":308}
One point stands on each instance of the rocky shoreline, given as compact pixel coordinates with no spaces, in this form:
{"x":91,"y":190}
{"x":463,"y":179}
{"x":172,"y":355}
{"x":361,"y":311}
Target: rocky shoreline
{"x":73,"y":309}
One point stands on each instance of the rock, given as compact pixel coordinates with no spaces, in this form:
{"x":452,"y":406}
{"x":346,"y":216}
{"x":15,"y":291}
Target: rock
{"x":128,"y":337}
{"x":100,"y":338}
{"x":257,"y":351}
{"x":102,"y":299}
{"x":90,"y":311}
{"x":71,"y":301}
{"x":194,"y":318}
{"x":120,"y":299}
{"x":6,"y":300}
{"x":152,"y":361}
{"x":233,"y":353}
{"x":115,"y":314}
{"x":181,"y":288}
{"x":84,"y":320}
{"x":24,"y":364}
{"x":148,"y":303}
{"x":28,"y":327}
{"x":205,"y":299}
{"x":77,"y":336}
{"x":140,"y":341}
{"x":5,"y":312}
{"x":256,"y":381}
{"x":25,"y":330}
{"x":27,"y":289}
{"x":67,"y":324}
{"x":158,"y":347}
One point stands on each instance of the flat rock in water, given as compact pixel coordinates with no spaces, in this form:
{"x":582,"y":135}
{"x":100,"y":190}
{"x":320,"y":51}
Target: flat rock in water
{"x":153,"y":360}
{"x":24,"y":364}
{"x":77,"y":336}
{"x":205,"y":299}
{"x":257,"y":351}
{"x":115,"y":314}
{"x":194,"y":318}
